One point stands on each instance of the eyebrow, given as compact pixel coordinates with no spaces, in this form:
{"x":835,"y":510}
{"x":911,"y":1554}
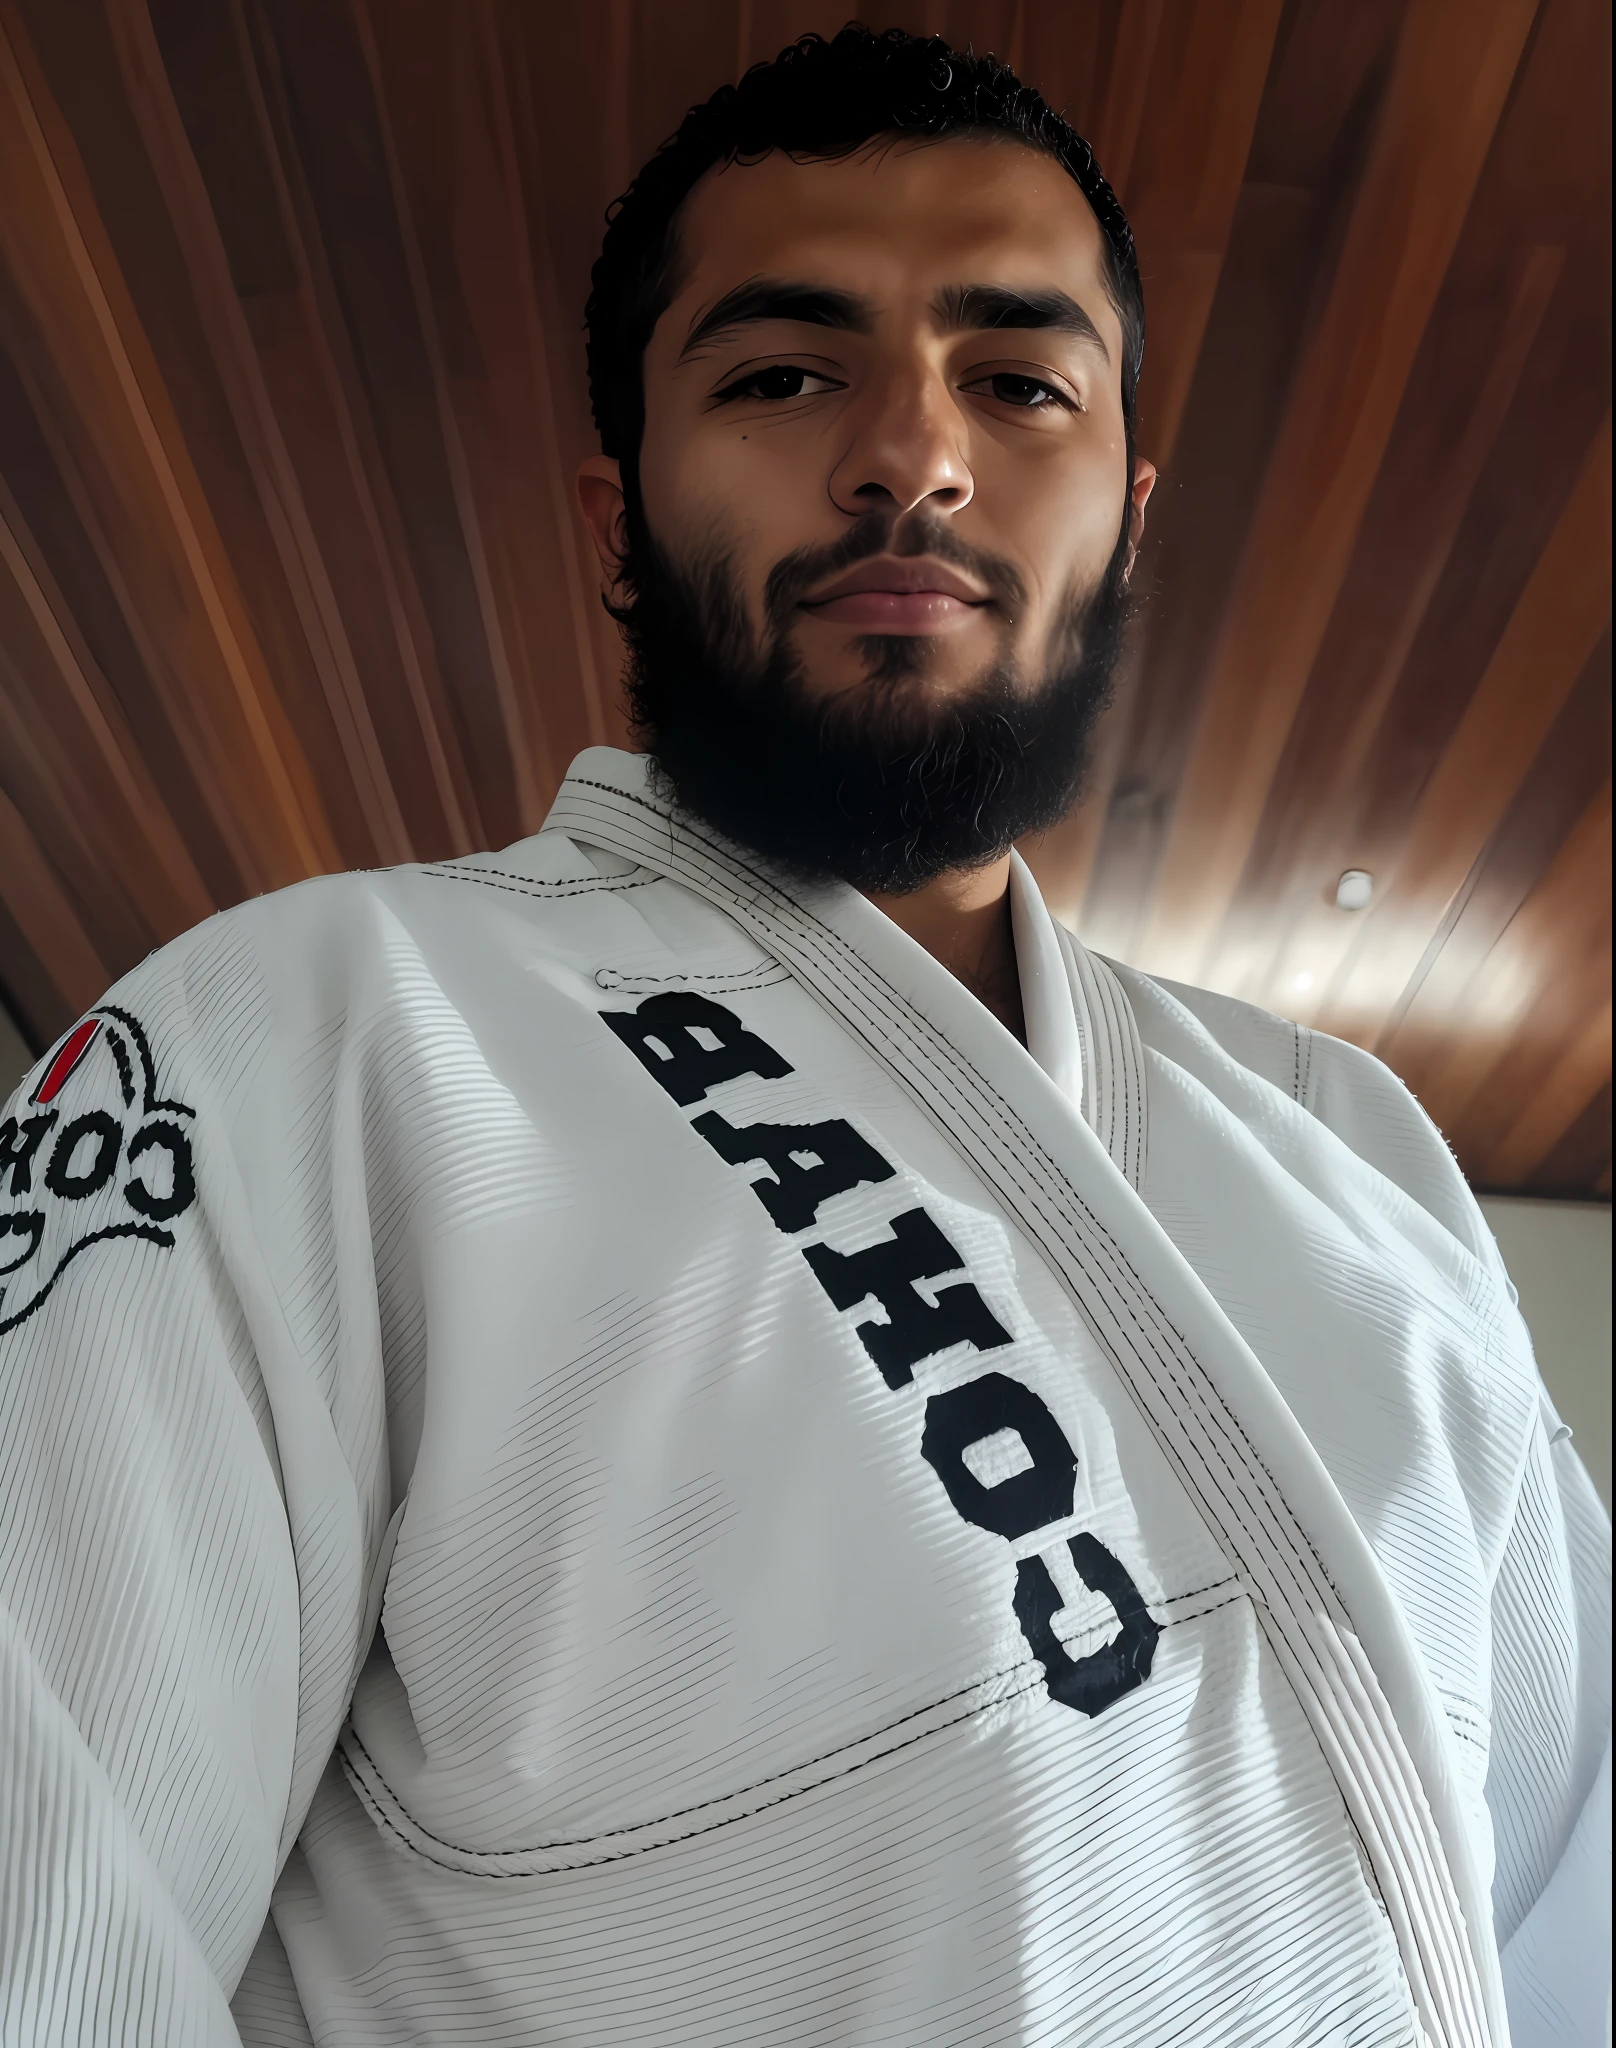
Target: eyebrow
{"x":957,"y":308}
{"x":775,"y":298}
{"x":988,"y":306}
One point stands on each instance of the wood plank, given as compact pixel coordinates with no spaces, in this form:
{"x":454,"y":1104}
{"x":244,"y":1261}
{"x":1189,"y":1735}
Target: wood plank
{"x":319,"y":392}
{"x":1174,"y":136}
{"x":1180,"y":180}
{"x":1549,"y":163}
{"x":475,"y":219}
{"x":45,"y":915}
{"x":1555,"y":628}
{"x":1285,"y":936}
{"x":1579,"y":1161}
{"x":52,"y":801}
{"x":1113,"y":132}
{"x":543,"y":327}
{"x":1312,"y":135}
{"x":1066,"y":54}
{"x":1554,"y":1105}
{"x":1448,"y":86}
{"x":1563,"y":780}
{"x":679,"y":57}
{"x":178,"y":741}
{"x":89,"y":79}
{"x":519,"y":732}
{"x":345,"y":163}
{"x":267,"y":457}
{"x":1194,"y":536}
{"x":1559,"y":937}
{"x":59,"y":784}
{"x":27,"y":994}
{"x":172,"y":892}
{"x":79,"y":297}
{"x":575,"y":150}
{"x":304,"y":372}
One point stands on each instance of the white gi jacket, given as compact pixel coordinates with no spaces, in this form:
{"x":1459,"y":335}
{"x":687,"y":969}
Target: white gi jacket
{"x":879,"y":1535}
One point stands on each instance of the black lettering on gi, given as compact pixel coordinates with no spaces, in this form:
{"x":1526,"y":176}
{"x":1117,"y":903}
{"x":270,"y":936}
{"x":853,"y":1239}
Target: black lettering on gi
{"x":27,"y":1224}
{"x":663,"y":1035}
{"x":59,"y":1175}
{"x":1039,"y":1494}
{"x":1093,"y":1683}
{"x":18,"y":1144}
{"x":794,"y":1196}
{"x":916,"y":1250}
{"x":181,"y":1194}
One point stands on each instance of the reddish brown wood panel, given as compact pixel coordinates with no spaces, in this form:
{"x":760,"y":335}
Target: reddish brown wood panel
{"x":291,"y":393}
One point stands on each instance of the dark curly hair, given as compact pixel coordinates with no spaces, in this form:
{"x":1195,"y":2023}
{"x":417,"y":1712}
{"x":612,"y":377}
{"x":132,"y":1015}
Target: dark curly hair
{"x":821,"y":99}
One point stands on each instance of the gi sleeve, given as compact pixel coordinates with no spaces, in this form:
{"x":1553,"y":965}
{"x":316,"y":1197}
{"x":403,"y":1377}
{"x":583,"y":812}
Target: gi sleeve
{"x":192,"y":1485}
{"x":1548,"y":1783}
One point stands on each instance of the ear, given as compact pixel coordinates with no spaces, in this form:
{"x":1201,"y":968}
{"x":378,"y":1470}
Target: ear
{"x":1144,"y":482}
{"x":600,"y":499}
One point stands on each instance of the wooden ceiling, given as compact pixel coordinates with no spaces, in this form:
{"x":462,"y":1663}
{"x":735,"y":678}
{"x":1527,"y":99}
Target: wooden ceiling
{"x":291,"y":391}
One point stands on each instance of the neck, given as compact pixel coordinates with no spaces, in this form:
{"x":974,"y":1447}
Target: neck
{"x":963,"y":921}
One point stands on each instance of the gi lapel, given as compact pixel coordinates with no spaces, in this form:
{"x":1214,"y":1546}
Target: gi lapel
{"x":1111,"y":1087}
{"x":1322,"y":1600}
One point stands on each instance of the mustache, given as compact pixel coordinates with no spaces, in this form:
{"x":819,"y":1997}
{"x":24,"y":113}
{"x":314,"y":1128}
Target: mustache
{"x":882,"y":533}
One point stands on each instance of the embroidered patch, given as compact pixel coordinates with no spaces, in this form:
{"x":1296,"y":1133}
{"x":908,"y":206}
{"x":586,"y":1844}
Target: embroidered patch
{"x":94,"y":1154}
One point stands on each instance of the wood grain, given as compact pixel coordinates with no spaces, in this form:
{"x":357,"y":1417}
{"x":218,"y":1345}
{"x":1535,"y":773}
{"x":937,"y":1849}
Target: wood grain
{"x":1553,"y":630}
{"x":292,"y":393}
{"x":1450,"y":78}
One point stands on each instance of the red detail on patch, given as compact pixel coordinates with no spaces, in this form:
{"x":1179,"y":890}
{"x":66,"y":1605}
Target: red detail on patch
{"x":77,"y":1045}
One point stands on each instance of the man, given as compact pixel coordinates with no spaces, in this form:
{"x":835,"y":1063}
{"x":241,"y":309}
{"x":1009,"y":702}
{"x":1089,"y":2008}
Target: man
{"x":706,"y":1431}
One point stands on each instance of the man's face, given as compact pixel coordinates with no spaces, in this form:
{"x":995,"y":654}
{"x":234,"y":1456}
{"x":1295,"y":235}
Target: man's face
{"x":885,"y":506}
{"x":919,"y":333}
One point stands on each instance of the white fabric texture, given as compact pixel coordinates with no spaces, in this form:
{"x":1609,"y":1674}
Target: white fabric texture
{"x":360,"y":1266}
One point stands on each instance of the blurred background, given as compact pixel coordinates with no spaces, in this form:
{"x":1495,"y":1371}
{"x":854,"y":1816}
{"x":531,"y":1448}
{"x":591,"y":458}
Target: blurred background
{"x":291,"y":393}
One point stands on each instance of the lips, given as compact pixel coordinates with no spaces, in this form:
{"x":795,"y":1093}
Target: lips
{"x":913,"y":595}
{"x":911,"y":576}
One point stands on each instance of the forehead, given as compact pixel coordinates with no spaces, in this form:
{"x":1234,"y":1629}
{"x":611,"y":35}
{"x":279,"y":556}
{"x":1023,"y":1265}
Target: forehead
{"x":895,"y":220}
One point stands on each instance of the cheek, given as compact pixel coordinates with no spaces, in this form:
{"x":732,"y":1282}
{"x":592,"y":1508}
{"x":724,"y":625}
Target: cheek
{"x":1060,"y":515}
{"x":737,"y":492}
{"x":668,"y":481}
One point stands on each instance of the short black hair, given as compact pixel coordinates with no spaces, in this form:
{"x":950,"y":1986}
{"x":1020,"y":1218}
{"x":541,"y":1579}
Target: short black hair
{"x":821,"y":99}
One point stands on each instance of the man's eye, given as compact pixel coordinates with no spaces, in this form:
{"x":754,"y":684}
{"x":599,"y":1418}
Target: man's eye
{"x":1031,"y":394}
{"x":779,"y":381}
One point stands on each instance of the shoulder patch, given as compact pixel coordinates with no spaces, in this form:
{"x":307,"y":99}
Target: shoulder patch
{"x":94,"y":1153}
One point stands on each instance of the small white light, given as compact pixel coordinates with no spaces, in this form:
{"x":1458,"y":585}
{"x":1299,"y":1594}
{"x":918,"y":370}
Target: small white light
{"x":1354,"y":890}
{"x":1301,"y":985}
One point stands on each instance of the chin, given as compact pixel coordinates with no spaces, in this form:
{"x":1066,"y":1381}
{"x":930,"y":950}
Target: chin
{"x":919,"y":664}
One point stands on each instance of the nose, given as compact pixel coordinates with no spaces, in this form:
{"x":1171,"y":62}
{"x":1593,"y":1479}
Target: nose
{"x":905,"y":452}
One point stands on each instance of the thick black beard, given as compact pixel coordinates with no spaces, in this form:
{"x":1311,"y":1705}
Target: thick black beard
{"x":880,"y":786}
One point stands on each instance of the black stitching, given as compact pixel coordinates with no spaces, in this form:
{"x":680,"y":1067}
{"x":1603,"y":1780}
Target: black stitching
{"x":457,"y":867}
{"x":742,"y":978}
{"x":1053,"y":1186}
{"x":1195,"y":1592}
{"x":1205,"y":1413}
{"x":1201,"y":1408}
{"x":758,"y":1784}
{"x":544,"y":891}
{"x":146,"y":1230}
{"x":1034,"y":1684}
